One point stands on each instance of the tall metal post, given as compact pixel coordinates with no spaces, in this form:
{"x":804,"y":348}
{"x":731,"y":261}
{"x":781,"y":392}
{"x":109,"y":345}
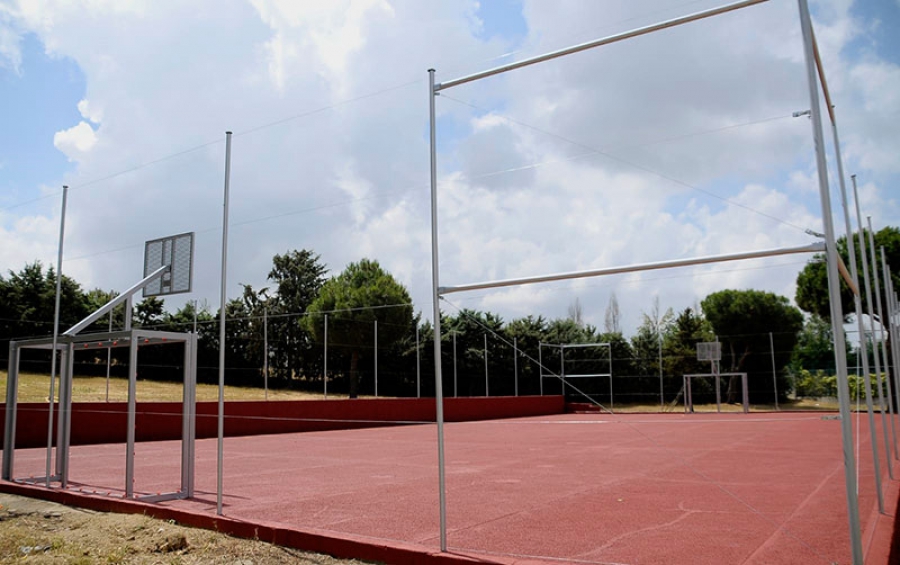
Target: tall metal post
{"x":837,"y":316}
{"x":266,"y":350}
{"x":515,"y":366}
{"x":435,"y":279}
{"x":562,"y":369}
{"x":612,"y":403}
{"x":108,"y":357}
{"x":857,"y":301}
{"x":132,"y":409}
{"x":661,"y":399}
{"x":220,"y":456}
{"x":62,"y":236}
{"x":325,"y":370}
{"x":884,"y":358}
{"x":455,"y":390}
{"x":541,"y":367}
{"x":418,"y":366}
{"x":887,"y":319}
{"x":487,"y":384}
{"x":774,"y":372}
{"x":863,"y":341}
{"x":895,"y":335}
{"x":376,"y":358}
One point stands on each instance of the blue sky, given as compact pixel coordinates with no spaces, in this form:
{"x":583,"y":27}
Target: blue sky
{"x":96,"y":90}
{"x":40,"y":98}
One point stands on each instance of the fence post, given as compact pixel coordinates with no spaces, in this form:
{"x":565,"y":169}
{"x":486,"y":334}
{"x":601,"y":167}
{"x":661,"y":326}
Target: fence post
{"x":487,"y":383}
{"x":376,"y":358}
{"x":516,"y":366}
{"x":418,"y":367}
{"x":774,"y":374}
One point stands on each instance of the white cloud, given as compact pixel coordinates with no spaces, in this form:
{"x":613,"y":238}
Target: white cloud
{"x":76,"y":141}
{"x":90,"y":112}
{"x":348,"y":176}
{"x":10,"y":50}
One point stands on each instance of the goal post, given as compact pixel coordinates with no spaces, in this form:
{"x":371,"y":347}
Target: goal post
{"x":688,"y":392}
{"x":575,"y":373}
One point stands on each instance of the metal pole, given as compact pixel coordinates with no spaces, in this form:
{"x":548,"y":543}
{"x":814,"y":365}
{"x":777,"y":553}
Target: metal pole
{"x":418,"y":367}
{"x":837,"y":316}
{"x":888,"y":307}
{"x":884,"y":358}
{"x":816,"y":247}
{"x":857,"y":301}
{"x":875,"y":357}
{"x":515,"y":366}
{"x":435,"y":278}
{"x":325,"y":371}
{"x":597,"y":43}
{"x":863,"y":339}
{"x":132,"y":410}
{"x":487,"y":384}
{"x":562,"y":370}
{"x":108,"y":357}
{"x":774,"y":373}
{"x":376,"y":358}
{"x":612,"y":403}
{"x":62,"y":236}
{"x":661,"y":398}
{"x":220,"y":469}
{"x":266,"y":350}
{"x":541,"y":367}
{"x":892,"y":313}
{"x":455,"y":392}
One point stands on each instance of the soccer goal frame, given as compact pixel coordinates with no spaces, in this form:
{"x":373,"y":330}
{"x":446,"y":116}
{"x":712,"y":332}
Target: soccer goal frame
{"x":171,"y":263}
{"x":814,"y":81}
{"x":562,"y":375}
{"x":67,"y":346}
{"x":689,"y":398}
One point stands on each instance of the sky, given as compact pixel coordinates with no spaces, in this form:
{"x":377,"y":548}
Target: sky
{"x":673,"y":145}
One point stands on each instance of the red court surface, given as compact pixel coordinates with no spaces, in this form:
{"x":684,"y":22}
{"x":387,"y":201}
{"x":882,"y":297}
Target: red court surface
{"x":576,"y":488}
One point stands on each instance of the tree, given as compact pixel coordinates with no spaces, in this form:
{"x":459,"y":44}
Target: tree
{"x":812,"y":282}
{"x":680,"y":349}
{"x":648,"y":341}
{"x":354,"y":300}
{"x":752,"y":324}
{"x":611,"y":320}
{"x":815,"y":346}
{"x":576,"y":313}
{"x":149,"y":312}
{"x":528,"y":333}
{"x":298,"y":276}
{"x":28,"y":301}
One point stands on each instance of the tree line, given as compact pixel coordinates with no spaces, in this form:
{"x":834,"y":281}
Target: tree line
{"x":364,"y":304}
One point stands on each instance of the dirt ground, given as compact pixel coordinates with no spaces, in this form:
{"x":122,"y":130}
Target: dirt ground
{"x":40,"y":532}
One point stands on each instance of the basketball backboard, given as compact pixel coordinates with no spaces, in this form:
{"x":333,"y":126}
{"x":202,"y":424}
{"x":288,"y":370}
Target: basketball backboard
{"x":176,"y":251}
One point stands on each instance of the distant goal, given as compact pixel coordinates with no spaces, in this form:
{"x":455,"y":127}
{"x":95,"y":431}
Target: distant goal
{"x":717,"y":384}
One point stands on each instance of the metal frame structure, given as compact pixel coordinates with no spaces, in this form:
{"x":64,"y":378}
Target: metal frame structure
{"x":688,"y":396}
{"x":562,"y":365}
{"x":834,"y":270}
{"x":131,"y":338}
{"x":67,"y":345}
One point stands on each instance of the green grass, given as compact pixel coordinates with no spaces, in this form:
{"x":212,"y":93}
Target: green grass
{"x":36,"y":388}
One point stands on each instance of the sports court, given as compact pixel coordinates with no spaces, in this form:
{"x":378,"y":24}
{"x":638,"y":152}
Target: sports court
{"x":577,"y":488}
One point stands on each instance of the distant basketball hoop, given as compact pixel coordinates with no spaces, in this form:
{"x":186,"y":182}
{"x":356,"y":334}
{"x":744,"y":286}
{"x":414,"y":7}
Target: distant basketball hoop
{"x":176,"y":252}
{"x":709,"y":351}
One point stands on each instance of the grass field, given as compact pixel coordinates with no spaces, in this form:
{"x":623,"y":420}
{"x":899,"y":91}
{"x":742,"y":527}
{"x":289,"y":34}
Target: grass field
{"x":36,"y":388}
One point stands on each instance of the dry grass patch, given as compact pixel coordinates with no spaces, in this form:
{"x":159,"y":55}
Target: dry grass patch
{"x":35,"y":531}
{"x":36,"y":388}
